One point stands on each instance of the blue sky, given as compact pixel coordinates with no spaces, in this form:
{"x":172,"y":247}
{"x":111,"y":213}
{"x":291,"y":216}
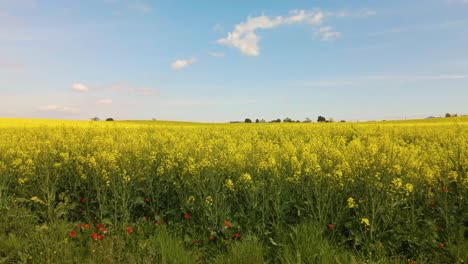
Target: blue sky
{"x":218,"y":61}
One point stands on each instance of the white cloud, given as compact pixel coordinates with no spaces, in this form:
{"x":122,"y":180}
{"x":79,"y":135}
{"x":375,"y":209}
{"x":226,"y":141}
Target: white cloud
{"x":80,"y":87}
{"x":245,"y":38}
{"x":216,"y":54}
{"x":104,"y":101}
{"x":180,"y":63}
{"x":58,"y":108}
{"x":327,"y":33}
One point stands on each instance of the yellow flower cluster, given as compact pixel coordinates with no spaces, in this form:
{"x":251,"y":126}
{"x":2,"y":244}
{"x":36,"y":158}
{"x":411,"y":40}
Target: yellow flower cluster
{"x":394,"y":156}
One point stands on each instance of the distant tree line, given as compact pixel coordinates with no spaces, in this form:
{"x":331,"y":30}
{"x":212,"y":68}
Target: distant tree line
{"x":320,"y":119}
{"x":97,"y":119}
{"x":451,"y":115}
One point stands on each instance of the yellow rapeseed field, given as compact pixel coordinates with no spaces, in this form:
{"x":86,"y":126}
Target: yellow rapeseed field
{"x":374,"y":187}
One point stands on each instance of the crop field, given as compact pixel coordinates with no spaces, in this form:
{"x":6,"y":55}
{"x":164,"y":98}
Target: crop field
{"x":168,"y":192}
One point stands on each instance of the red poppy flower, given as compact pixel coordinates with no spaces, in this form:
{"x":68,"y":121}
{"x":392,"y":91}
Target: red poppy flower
{"x":212,"y":238}
{"x":443,"y":189}
{"x":98,"y":226}
{"x":158,"y":222}
{"x":186,"y":216}
{"x":101,"y":237}
{"x":195,"y":242}
{"x":441,"y":245}
{"x":129,"y":229}
{"x":236,"y":235}
{"x":82,"y":199}
{"x":79,"y":226}
{"x":227,"y":224}
{"x":72,"y":234}
{"x":331,"y":226}
{"x":412,"y":262}
{"x":102,"y":229}
{"x":86,"y":226}
{"x":94,"y":236}
{"x":147,"y":218}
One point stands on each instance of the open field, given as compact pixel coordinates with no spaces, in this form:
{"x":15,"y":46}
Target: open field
{"x":162,"y":192}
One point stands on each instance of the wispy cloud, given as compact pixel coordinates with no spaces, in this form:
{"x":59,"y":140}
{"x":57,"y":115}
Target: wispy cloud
{"x":216,"y":54}
{"x":457,"y":1}
{"x":125,"y":87}
{"x":245,"y":38}
{"x":213,"y":101}
{"x":104,"y":101}
{"x":362,"y":13}
{"x":425,"y":27}
{"x":327,"y":33}
{"x":80,"y":87}
{"x":344,"y":82}
{"x":182,"y":63}
{"x":60,"y":109}
{"x":14,"y":4}
{"x":218,"y":28}
{"x":133,"y":5}
{"x":10,"y":65}
{"x":141,"y":7}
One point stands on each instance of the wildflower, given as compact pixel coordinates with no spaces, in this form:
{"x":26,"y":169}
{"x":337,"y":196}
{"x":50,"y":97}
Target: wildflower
{"x":72,"y":234}
{"x":186,"y":216}
{"x":236,"y":235}
{"x":212,"y":238}
{"x":229,"y":185}
{"x":101,"y":237}
{"x":365,"y":221}
{"x":82,"y":199}
{"x":102,"y":229}
{"x":191,"y":199}
{"x":129,"y":229}
{"x":397,"y":183}
{"x":443,"y":189}
{"x":94,"y":236}
{"x":86,"y":226}
{"x":246,"y":178}
{"x":331,"y":226}
{"x":408,"y":188}
{"x":195,"y":241}
{"x":441,"y":245}
{"x":351,"y":202}
{"x":209,"y":201}
{"x":147,"y":199}
{"x":412,"y":262}
{"x":147,"y":218}
{"x":98,"y":226}
{"x":227,"y":224}
{"x":158,"y":222}
{"x":439,"y":228}
{"x":79,"y":226}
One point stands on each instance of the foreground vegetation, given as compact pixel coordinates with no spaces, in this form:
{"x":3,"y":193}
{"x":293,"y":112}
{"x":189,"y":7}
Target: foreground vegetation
{"x":159,"y":192}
